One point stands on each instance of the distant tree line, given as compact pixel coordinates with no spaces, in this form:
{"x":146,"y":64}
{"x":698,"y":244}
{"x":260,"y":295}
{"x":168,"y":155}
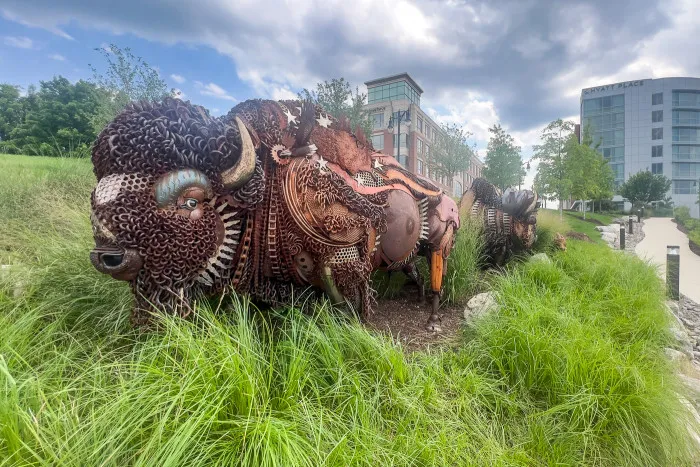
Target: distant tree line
{"x":60,"y":118}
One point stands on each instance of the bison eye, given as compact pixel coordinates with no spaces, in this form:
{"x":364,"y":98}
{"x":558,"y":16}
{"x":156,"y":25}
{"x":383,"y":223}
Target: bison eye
{"x":190,"y":203}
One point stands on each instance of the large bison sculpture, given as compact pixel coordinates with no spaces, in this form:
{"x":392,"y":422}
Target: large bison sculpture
{"x":268,"y":200}
{"x":272,"y":198}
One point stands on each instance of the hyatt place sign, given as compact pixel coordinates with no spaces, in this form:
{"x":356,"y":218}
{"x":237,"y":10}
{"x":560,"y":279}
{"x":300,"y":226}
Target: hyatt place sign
{"x":610,"y":87}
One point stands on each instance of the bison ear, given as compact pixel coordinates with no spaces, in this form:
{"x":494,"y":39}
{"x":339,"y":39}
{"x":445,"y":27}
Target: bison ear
{"x":240,"y":173}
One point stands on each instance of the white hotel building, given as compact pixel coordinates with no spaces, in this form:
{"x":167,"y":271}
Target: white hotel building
{"x":649,"y":124}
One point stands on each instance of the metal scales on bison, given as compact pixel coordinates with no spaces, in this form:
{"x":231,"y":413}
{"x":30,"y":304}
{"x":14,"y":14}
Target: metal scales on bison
{"x":272,"y":198}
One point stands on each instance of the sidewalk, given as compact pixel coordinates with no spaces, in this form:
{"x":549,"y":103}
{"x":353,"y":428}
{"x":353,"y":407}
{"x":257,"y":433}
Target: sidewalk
{"x":660,"y":232}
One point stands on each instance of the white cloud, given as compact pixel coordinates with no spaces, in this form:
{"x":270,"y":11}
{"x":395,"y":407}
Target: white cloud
{"x":214,"y":90}
{"x":57,"y":57}
{"x":19,"y":42}
{"x":532,"y":47}
{"x":179,"y":79}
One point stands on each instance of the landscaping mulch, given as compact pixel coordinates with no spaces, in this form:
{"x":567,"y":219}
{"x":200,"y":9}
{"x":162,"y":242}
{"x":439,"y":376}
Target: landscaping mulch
{"x":405,"y":317}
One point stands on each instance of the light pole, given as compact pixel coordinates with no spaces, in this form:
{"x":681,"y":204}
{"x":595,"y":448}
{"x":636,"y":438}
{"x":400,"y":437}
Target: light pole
{"x":520,"y":178}
{"x":400,"y":115}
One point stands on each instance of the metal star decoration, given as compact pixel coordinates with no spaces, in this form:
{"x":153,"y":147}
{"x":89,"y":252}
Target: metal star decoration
{"x":378,"y":165}
{"x":290,"y":118}
{"x":324,"y":121}
{"x":322,"y":164}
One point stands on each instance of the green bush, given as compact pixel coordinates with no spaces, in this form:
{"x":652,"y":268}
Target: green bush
{"x":681,"y":214}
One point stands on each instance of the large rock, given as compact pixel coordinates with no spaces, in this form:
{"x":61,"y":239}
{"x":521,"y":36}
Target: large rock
{"x":540,"y":257}
{"x":674,"y":355}
{"x":609,"y":237}
{"x":479,"y":305}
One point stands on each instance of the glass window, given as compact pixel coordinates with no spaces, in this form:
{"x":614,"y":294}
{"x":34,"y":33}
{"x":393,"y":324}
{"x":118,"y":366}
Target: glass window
{"x":686,"y":98}
{"x":685,"y":187}
{"x":657,"y":151}
{"x":420,"y":124}
{"x":686,"y":152}
{"x":427,"y":131}
{"x":686,"y":135}
{"x":403,"y":160}
{"x":458,"y":189}
{"x":657,"y":133}
{"x":378,"y":142}
{"x":404,"y":140}
{"x":657,"y":98}
{"x":421,"y":166}
{"x":686,"y":170}
{"x":419,"y":146}
{"x":657,"y":116}
{"x":657,"y":168}
{"x":378,"y":121}
{"x":686,"y":117}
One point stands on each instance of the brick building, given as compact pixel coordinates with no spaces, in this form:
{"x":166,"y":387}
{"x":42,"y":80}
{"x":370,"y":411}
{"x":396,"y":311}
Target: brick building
{"x":393,"y":96}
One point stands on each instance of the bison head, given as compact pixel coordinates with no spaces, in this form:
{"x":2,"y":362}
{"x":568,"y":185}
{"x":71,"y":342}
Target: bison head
{"x":163,"y":214}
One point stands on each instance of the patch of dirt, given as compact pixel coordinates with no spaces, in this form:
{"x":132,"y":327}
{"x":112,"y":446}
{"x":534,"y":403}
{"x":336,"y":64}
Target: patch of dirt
{"x":405,"y":317}
{"x":578,"y":236}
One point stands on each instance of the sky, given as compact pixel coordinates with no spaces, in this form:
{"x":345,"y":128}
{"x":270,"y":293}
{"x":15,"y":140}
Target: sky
{"x":519,"y":63}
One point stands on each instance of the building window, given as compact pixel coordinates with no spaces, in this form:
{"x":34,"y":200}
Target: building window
{"x":378,"y":121}
{"x":421,"y":166}
{"x":657,"y":116}
{"x":420,"y":124}
{"x":657,"y":168}
{"x":458,"y":189}
{"x":686,"y":152}
{"x":393,"y":91}
{"x":685,"y":187}
{"x":403,"y":160}
{"x":657,"y":98}
{"x":657,"y":151}
{"x":686,"y":170}
{"x":657,"y":133}
{"x":686,"y":135}
{"x":686,"y":117}
{"x":404,"y":140}
{"x":686,"y":98}
{"x":378,"y":142}
{"x":419,"y":146}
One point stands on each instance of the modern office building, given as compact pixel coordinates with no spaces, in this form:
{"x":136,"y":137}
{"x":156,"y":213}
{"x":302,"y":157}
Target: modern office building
{"x":390,"y":98}
{"x":649,"y":124}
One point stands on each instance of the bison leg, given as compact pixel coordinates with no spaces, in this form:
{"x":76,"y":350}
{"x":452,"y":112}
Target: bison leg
{"x":412,"y":272}
{"x":330,"y":288}
{"x":437,"y":265}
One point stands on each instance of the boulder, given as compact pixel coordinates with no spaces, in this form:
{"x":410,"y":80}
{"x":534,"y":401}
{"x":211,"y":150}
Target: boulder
{"x":674,"y":355}
{"x":609,"y":237}
{"x":479,"y":305}
{"x":540,"y":257}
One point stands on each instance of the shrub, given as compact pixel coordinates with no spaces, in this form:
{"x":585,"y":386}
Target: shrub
{"x":548,"y":225}
{"x":681,"y":214}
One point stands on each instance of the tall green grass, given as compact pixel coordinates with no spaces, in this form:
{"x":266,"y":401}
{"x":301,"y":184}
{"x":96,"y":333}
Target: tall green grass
{"x":571,"y":371}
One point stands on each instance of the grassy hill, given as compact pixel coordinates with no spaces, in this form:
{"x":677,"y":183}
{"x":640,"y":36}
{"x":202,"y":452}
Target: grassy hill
{"x":571,"y":371}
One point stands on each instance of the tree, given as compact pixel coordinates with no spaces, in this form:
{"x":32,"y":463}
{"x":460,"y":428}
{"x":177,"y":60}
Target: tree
{"x":450,"y":152}
{"x":644,"y":187}
{"x":552,"y":177}
{"x":503,"y":165}
{"x":336,"y":98}
{"x":126,"y":78}
{"x":11,"y":109}
{"x":57,"y":118}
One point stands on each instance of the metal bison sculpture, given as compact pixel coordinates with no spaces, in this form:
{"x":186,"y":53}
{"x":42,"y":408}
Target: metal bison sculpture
{"x":268,"y":200}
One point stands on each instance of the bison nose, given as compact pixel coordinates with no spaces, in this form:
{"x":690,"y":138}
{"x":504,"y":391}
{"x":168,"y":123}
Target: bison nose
{"x":121,"y":264}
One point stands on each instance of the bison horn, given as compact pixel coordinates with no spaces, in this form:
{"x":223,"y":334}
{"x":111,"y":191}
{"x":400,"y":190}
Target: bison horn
{"x":240,"y":173}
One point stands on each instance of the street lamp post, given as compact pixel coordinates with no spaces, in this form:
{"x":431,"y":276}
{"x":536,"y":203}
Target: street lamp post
{"x":400,"y":115}
{"x":527,"y":167}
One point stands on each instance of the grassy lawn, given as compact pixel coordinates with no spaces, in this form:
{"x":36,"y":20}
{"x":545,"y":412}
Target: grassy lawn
{"x":571,"y":371}
{"x":574,"y":221}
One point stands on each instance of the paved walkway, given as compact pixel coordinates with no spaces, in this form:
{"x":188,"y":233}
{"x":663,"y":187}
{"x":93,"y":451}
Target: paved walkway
{"x":659,"y":232}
